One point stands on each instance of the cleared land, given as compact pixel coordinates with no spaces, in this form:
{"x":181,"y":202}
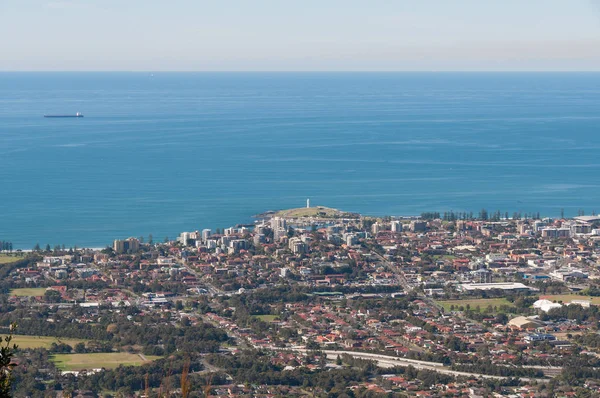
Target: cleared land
{"x":32,"y":292}
{"x":473,"y":303}
{"x":318,"y":211}
{"x":567,"y":298}
{"x":96,"y":361}
{"x":266,"y":318}
{"x":42,"y":341}
{"x":7,"y":259}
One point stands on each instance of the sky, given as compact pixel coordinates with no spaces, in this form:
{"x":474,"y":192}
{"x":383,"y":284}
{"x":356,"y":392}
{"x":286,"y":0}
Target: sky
{"x":300,"y":35}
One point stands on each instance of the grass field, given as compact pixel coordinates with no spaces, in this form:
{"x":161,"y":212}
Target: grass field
{"x":34,"y":291}
{"x":7,"y":258}
{"x":309,"y":212}
{"x":443,"y":257}
{"x":266,"y":318}
{"x":42,"y":341}
{"x":567,"y":298}
{"x":95,"y":361}
{"x":482,"y":303}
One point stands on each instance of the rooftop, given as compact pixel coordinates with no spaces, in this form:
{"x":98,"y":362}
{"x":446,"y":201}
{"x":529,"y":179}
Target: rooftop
{"x":587,"y":218}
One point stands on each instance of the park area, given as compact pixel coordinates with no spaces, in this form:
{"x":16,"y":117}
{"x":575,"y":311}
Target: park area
{"x":483,"y":303}
{"x":99,"y":360}
{"x":42,"y":341}
{"x":28,"y":292}
{"x":8,"y":258}
{"x":266,"y":318}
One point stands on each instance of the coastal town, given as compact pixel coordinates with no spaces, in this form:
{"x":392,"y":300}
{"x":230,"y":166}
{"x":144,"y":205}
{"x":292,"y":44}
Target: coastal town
{"x":315,"y":302}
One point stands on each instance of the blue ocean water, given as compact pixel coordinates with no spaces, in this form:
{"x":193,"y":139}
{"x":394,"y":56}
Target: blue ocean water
{"x":166,"y":152}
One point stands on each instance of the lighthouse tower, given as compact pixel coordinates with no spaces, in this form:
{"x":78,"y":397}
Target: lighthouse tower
{"x":307,"y":203}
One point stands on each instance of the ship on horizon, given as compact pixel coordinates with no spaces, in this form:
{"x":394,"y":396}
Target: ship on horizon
{"x":75,"y":115}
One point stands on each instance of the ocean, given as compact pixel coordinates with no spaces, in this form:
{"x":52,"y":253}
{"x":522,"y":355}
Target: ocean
{"x":164,"y":153}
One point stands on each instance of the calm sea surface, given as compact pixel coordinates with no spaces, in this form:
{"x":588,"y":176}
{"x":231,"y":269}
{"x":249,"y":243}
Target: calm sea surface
{"x":172,"y":152}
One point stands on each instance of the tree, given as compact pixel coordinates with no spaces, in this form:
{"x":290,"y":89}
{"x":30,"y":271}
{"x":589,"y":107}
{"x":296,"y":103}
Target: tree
{"x":502,"y":318}
{"x":323,"y":360}
{"x":47,"y":250}
{"x":80,"y":348}
{"x":36,"y":248}
{"x":483,"y":214}
{"x":6,"y":246}
{"x":52,"y":296}
{"x":312,"y":345}
{"x":166,"y":239}
{"x":6,"y":363}
{"x":150,"y":239}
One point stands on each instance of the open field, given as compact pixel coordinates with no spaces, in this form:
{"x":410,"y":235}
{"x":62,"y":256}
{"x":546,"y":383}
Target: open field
{"x":32,"y":292}
{"x":42,"y":341}
{"x":482,"y":303}
{"x":318,"y":211}
{"x":567,"y":298}
{"x":101,"y":360}
{"x":7,"y":258}
{"x":266,"y":318}
{"x":443,"y":257}
{"x":563,"y":335}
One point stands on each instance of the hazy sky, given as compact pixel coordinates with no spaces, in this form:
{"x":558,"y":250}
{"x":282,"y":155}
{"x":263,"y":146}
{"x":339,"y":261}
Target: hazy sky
{"x":196,"y":35}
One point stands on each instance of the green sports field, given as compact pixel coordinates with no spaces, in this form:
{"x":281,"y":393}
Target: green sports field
{"x":266,"y":318}
{"x":7,"y":259}
{"x":41,"y":341}
{"x":28,"y":292}
{"x":101,"y":360}
{"x":473,"y":303}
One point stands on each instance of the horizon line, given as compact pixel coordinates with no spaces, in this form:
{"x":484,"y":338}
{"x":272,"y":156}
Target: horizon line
{"x":303,"y":71}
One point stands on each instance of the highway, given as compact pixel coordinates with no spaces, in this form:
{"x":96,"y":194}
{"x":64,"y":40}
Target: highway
{"x":386,"y":361}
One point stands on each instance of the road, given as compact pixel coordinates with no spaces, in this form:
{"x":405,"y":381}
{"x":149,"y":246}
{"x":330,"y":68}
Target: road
{"x":403,"y":282}
{"x":386,"y":361}
{"x":213,"y":290}
{"x":395,"y":269}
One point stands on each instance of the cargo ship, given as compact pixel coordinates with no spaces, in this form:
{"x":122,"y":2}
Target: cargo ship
{"x":75,"y":115}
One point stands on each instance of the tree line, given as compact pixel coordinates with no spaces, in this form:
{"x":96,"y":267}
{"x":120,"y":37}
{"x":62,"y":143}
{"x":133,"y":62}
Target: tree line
{"x":6,"y":246}
{"x":483,"y":214}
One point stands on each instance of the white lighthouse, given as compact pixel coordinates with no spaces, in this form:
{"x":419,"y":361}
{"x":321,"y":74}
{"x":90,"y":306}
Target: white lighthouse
{"x":307,"y":203}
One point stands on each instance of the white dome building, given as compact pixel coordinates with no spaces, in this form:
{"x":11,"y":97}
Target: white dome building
{"x":545,"y":305}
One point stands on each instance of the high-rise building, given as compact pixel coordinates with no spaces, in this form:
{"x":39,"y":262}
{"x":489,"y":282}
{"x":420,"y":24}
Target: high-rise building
{"x":278,"y":222}
{"x":259,"y":238}
{"x":418,"y":226}
{"x":297,"y":246}
{"x":211,"y":244}
{"x":130,"y":245}
{"x":375,"y":228}
{"x":184,"y":238}
{"x":396,"y":226}
{"x":350,"y":239}
{"x":279,"y":233}
{"x":238,"y":244}
{"x":206,"y":234}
